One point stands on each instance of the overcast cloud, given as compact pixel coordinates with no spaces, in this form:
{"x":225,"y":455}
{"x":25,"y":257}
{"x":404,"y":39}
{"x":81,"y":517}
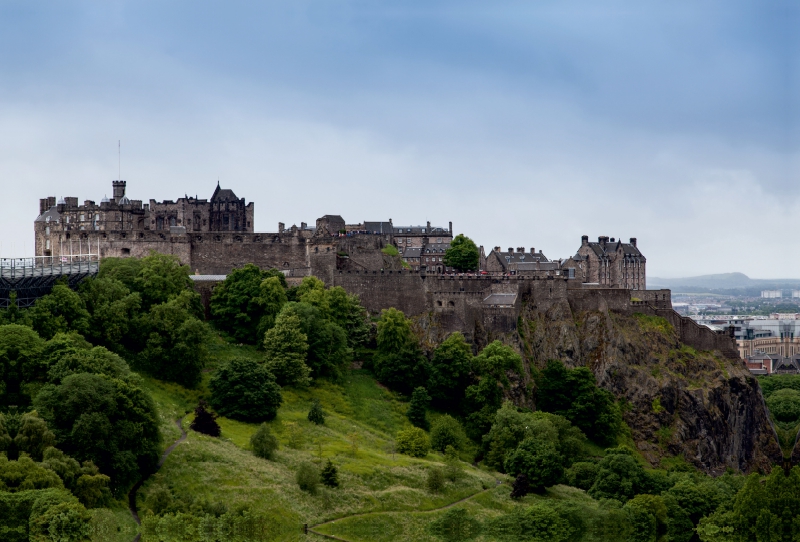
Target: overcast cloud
{"x":525,"y":123}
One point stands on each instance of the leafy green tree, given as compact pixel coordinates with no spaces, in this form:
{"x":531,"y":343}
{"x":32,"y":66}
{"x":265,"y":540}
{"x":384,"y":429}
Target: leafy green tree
{"x":114,"y":313}
{"x":539,"y":522}
{"x":619,"y":476}
{"x":435,"y":481}
{"x":455,"y":525}
{"x":245,"y":390}
{"x":315,"y":415}
{"x":446,"y":431}
{"x":20,"y":350}
{"x":330,"y":475}
{"x":482,"y":400}
{"x":450,"y":372}
{"x":60,"y":310}
{"x":33,"y":436}
{"x":85,"y":482}
{"x":64,"y":522}
{"x":328,"y":353}
{"x":413,"y":441}
{"x":648,"y":517}
{"x":582,"y":475}
{"x":77,"y":359}
{"x":162,"y":278}
{"x":285,"y":348}
{"x":418,"y":408}
{"x":176,"y":348}
{"x":347,"y":313}
{"x":271,"y":299}
{"x":463,"y":254}
{"x":239,"y":304}
{"x":109,"y":421}
{"x":574,"y":394}
{"x":539,"y":461}
{"x":13,"y":314}
{"x":263,"y":442}
{"x":205,"y":421}
{"x":308,"y":477}
{"x":24,"y":474}
{"x":124,"y":270}
{"x":398,"y":362}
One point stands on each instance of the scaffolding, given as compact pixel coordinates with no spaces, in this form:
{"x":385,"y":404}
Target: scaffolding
{"x":32,"y":278}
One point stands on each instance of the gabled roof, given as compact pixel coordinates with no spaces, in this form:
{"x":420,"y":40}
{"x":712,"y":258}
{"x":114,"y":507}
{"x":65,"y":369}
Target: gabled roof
{"x":602,"y":250}
{"x":52,"y":213}
{"x":224,"y":195}
{"x":520,"y":257}
{"x":380,"y":227}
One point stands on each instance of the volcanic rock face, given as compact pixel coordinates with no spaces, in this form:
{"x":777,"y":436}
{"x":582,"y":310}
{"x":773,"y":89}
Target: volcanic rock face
{"x":677,"y":401}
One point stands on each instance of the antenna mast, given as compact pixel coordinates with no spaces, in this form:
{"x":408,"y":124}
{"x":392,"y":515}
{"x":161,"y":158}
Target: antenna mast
{"x":119,"y":160}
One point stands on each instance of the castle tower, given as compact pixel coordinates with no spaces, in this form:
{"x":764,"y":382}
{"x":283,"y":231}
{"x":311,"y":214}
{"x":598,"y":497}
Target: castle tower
{"x":118,"y":189}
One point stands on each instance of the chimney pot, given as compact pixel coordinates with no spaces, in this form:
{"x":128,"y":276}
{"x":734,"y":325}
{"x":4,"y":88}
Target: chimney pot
{"x":612,"y":239}
{"x":497,"y":249}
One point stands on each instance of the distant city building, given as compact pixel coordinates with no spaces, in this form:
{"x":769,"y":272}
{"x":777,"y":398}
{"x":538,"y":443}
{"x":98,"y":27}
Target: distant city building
{"x":772,"y":294}
{"x":795,"y":294}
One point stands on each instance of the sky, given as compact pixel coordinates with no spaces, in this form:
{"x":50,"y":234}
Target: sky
{"x":525,"y":123}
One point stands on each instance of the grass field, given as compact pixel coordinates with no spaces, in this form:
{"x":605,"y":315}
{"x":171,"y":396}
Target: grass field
{"x":383,"y":495}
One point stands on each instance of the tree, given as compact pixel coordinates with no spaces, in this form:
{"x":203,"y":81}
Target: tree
{"x":205,"y":421}
{"x":413,"y":441}
{"x":307,"y":477}
{"x":435,"y":481}
{"x":619,"y":476}
{"x":263,"y":442}
{"x":574,"y":394}
{"x":484,"y":398}
{"x":239,"y":304}
{"x":271,"y":299}
{"x":65,"y":522}
{"x":114,"y":313}
{"x":85,"y":482}
{"x":161,"y":278}
{"x":582,"y":475}
{"x":520,"y":487}
{"x":450,"y":372}
{"x":285,"y":347}
{"x":446,"y":431}
{"x":418,"y":408}
{"x":347,"y":313}
{"x":20,"y":350}
{"x":33,"y":436}
{"x":539,"y":461}
{"x":109,"y":421}
{"x":60,"y":310}
{"x":455,"y":525}
{"x":330,"y":475}
{"x":315,"y":415}
{"x":463,"y":254}
{"x":176,"y":347}
{"x":245,"y":390}
{"x":328,"y":353}
{"x":398,"y":361}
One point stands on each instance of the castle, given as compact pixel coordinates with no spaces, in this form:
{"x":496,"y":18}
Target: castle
{"x":385,"y":264}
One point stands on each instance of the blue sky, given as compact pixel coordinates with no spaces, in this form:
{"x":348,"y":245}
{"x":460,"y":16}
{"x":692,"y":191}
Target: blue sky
{"x":525,"y":123}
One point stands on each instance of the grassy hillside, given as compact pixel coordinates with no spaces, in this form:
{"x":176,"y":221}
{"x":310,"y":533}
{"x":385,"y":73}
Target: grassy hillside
{"x":362,"y":419}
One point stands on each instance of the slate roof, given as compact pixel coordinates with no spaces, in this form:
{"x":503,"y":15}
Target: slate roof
{"x":421,"y":230}
{"x":505,"y":300}
{"x":436,"y":248}
{"x":609,"y":247}
{"x":380,"y":227}
{"x":521,"y":257}
{"x":412,"y":252}
{"x":52,"y":212}
{"x":224,"y":195}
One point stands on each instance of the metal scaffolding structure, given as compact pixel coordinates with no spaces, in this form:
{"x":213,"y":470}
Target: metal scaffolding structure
{"x":32,"y":278}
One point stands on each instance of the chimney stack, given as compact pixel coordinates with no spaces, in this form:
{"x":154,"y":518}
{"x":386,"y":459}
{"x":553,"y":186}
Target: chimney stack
{"x":451,"y":227}
{"x":511,"y":250}
{"x":429,"y":227}
{"x":533,"y":250}
{"x":633,"y":241}
{"x":521,"y":249}
{"x":497,"y":249}
{"x":584,"y":240}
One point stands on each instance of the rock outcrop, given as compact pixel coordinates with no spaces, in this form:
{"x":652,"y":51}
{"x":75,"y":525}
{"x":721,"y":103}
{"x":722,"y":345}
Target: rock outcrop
{"x":677,"y":401}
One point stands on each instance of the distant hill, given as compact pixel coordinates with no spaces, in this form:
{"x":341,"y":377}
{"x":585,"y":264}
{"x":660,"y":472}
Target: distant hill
{"x":722,"y":281}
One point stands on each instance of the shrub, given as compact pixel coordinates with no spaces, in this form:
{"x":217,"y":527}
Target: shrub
{"x":453,"y":469}
{"x":446,"y":431}
{"x":520,"y":487}
{"x":418,"y":408}
{"x":330,"y":475}
{"x":315,"y":415}
{"x":64,"y":522}
{"x":582,"y":475}
{"x":435,"y":481}
{"x":308,"y":477}
{"x":538,"y":460}
{"x":413,"y":441}
{"x":263,"y":442}
{"x":244,"y":389}
{"x":455,"y":525}
{"x":205,"y":421}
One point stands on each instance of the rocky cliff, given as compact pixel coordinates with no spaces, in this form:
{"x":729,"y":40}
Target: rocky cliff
{"x":677,"y":401}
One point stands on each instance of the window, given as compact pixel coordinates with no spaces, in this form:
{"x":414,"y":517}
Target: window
{"x":47,"y":231}
{"x":438,"y":239}
{"x":47,"y":244}
{"x":82,"y":218}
